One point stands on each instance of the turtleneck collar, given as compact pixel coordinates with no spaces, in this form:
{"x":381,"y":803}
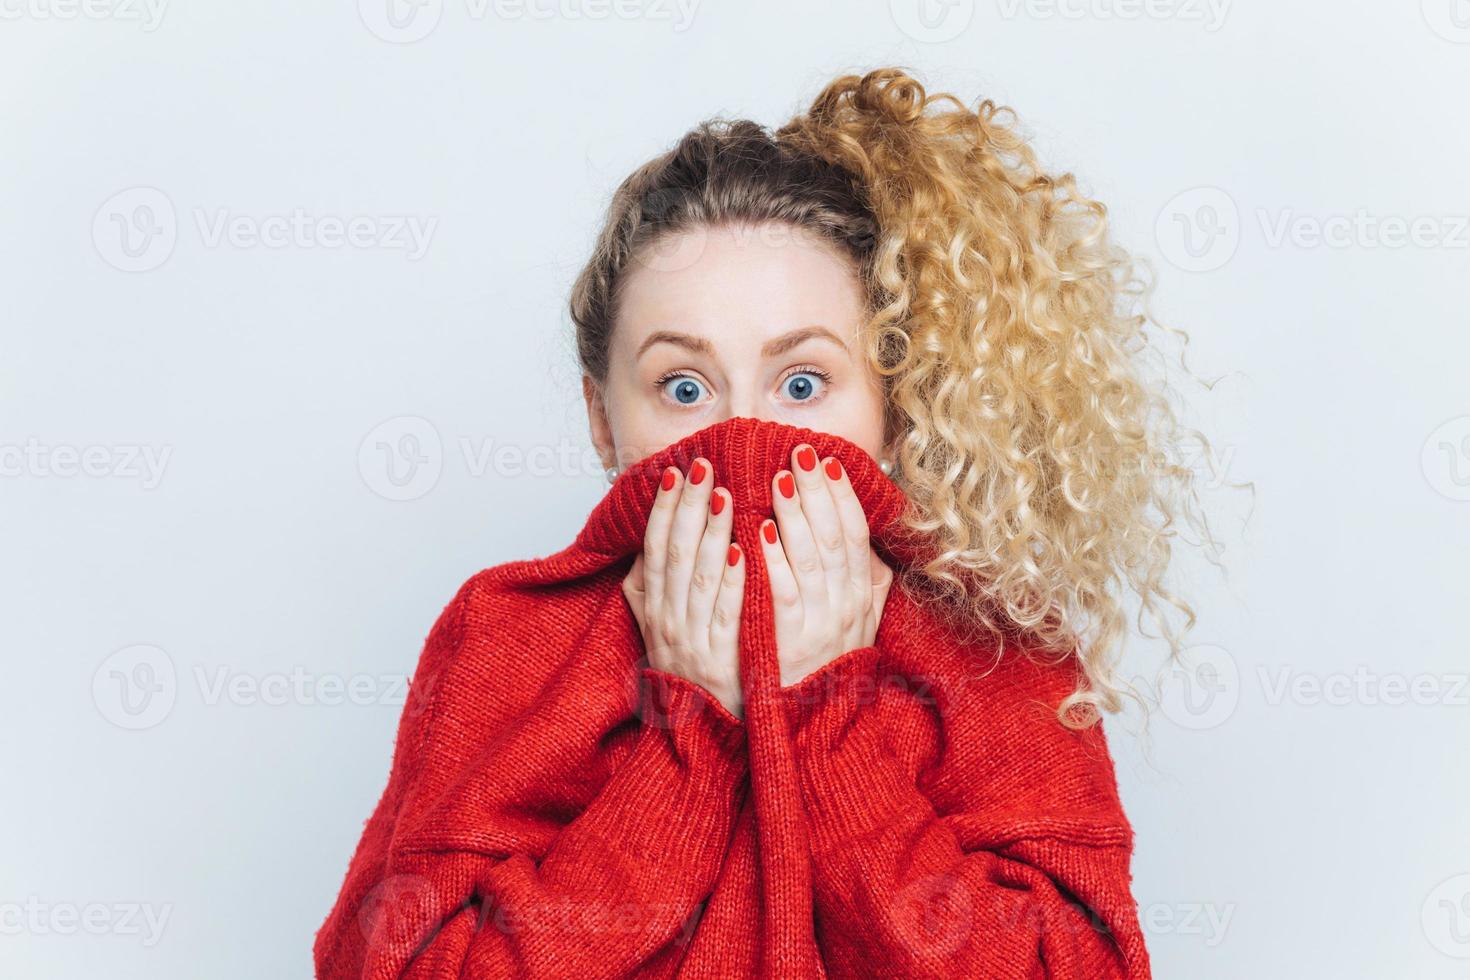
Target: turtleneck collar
{"x":745,"y":454}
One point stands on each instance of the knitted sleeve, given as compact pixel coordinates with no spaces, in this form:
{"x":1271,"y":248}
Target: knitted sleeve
{"x":614,"y":890}
{"x":1034,"y":885}
{"x":620,"y":888}
{"x":339,"y":946}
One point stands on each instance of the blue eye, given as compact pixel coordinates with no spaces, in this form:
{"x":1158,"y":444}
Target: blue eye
{"x":683,"y":389}
{"x":804,"y":385}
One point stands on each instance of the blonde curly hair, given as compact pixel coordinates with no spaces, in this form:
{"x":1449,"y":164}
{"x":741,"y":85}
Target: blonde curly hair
{"x":1039,"y":455}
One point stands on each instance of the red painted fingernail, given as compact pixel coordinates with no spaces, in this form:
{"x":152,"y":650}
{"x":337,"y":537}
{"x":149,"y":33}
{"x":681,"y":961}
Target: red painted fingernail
{"x":834,"y":470}
{"x":716,"y":502}
{"x":734,"y":557}
{"x":768,"y":529}
{"x":786,"y":483}
{"x":668,"y":480}
{"x":696,"y":473}
{"x":806,"y":457}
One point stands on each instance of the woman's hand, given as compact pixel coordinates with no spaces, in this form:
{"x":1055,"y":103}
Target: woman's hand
{"x":828,"y":585}
{"x":688,"y":584}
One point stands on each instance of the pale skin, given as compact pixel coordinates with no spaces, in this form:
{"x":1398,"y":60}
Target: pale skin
{"x":756,"y":321}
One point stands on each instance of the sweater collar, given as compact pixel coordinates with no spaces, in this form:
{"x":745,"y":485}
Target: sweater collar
{"x":745,"y":454}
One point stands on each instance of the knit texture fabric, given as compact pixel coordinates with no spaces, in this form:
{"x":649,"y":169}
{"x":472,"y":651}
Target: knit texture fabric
{"x":558,"y":808}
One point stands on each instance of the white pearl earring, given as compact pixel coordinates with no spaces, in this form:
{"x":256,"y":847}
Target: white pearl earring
{"x":886,"y":467}
{"x":612,"y":474}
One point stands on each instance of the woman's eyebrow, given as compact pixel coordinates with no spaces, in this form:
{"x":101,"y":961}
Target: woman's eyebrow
{"x":696,"y":344}
{"x":801,"y":335}
{"x":772,"y":348}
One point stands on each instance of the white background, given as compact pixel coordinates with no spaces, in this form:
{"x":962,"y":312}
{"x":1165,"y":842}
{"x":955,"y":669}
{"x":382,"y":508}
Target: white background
{"x":257,"y":565}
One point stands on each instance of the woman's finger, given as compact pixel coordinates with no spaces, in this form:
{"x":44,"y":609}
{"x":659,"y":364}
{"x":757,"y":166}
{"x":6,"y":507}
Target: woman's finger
{"x":882,"y":578}
{"x":709,"y":563}
{"x":724,"y":627}
{"x":800,"y":546}
{"x":855,"y":531}
{"x":691,"y":514}
{"x":826,"y":527}
{"x":785,"y":594}
{"x":633,"y":590}
{"x":656,"y":537}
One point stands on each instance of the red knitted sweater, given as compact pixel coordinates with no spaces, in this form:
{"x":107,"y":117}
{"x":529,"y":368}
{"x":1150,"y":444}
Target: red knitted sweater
{"x":558,"y":808}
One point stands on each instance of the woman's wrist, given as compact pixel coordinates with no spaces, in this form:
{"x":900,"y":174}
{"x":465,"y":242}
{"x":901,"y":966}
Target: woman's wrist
{"x":725,"y":700}
{"x":849,"y":679}
{"x":795,"y":670}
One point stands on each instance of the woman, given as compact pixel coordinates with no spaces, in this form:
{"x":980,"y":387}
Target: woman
{"x":815,"y":690}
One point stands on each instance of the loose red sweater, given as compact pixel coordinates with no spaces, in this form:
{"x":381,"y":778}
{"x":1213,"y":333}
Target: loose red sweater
{"x":558,"y":808}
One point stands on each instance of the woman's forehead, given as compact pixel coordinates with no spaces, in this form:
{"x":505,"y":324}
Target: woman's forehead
{"x":739,"y":288}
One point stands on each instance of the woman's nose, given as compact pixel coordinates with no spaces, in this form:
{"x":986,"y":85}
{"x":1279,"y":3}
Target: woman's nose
{"x":749,"y":406}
